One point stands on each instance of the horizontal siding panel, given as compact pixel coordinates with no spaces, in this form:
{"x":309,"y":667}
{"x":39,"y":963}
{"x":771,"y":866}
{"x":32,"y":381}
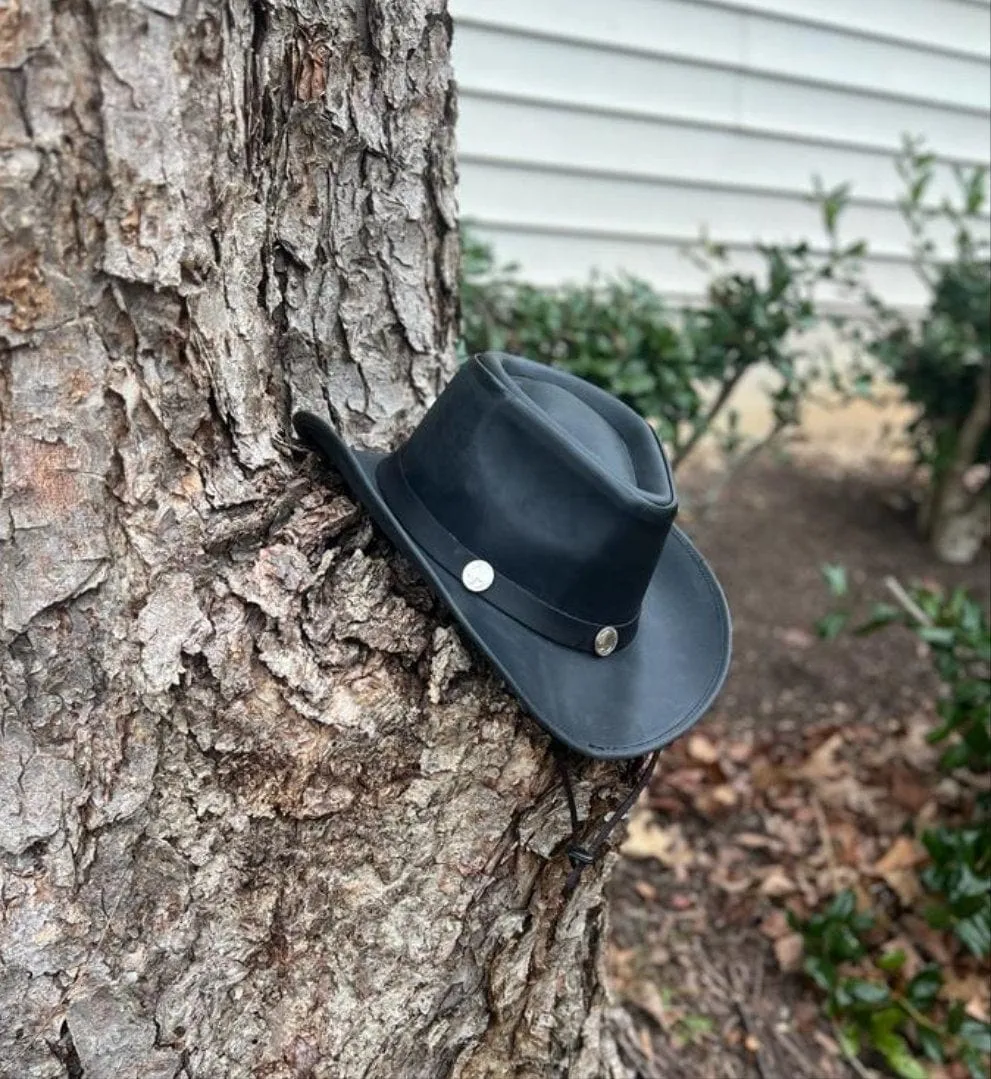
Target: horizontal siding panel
{"x":745,"y":41}
{"x":667,"y":212}
{"x":963,"y":28}
{"x":548,"y":258}
{"x":569,"y":139}
{"x":607,"y":135}
{"x":497,"y":62}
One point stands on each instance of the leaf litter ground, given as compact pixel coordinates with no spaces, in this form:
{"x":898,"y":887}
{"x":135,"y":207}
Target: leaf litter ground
{"x":813,"y":775}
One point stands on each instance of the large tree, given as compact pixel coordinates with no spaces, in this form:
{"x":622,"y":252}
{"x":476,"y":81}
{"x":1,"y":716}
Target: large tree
{"x":261,"y":813}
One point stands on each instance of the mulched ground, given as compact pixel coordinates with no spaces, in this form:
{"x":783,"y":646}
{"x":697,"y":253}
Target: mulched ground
{"x":771,"y":530}
{"x":808,"y":776}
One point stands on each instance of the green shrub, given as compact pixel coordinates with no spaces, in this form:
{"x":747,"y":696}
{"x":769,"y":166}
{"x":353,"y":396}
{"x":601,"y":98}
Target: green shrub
{"x":959,"y":877}
{"x":876,"y":1008}
{"x":955,"y":626}
{"x":676,"y":367}
{"x":943,"y":361}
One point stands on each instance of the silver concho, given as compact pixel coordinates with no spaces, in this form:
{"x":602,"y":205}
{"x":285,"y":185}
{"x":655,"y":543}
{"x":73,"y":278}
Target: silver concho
{"x":606,"y":640}
{"x":477,"y":576}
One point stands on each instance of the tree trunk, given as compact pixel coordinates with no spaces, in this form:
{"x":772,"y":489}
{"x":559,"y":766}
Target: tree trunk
{"x":261,"y":813}
{"x":955,"y":520}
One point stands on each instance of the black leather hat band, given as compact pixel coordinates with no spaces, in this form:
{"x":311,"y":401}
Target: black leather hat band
{"x":520,"y":604}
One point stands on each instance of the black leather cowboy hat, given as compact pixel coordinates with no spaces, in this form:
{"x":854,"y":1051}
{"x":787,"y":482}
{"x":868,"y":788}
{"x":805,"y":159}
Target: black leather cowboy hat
{"x":541,"y":511}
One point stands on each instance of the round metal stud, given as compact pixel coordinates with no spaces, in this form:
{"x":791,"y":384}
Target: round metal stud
{"x":606,"y":640}
{"x":477,"y":576}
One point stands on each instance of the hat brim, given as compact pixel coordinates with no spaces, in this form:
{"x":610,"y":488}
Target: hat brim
{"x":634,"y":701}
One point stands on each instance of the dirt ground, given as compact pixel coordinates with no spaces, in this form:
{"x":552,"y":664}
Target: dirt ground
{"x":695,"y":960}
{"x":767,"y":536}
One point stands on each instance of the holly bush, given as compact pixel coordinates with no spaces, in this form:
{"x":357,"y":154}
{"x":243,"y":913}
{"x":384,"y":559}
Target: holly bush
{"x":942,"y":360}
{"x":877,"y":1008}
{"x":875,"y":1005}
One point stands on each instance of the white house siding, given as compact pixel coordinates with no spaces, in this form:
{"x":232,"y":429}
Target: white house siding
{"x":606,"y":134}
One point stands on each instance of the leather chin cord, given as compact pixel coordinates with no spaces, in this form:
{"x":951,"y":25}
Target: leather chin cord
{"x":583,"y":854}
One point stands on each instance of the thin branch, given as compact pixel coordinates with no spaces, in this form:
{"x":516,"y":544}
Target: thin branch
{"x":906,"y":602}
{"x":744,"y":1015}
{"x":827,"y":841}
{"x":809,"y":1069}
{"x":705,"y":423}
{"x":852,"y":1059}
{"x":949,"y":491}
{"x":736,"y":463}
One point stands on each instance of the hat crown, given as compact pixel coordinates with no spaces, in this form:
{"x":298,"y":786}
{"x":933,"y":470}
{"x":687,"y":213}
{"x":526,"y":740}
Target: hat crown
{"x":563,"y":489}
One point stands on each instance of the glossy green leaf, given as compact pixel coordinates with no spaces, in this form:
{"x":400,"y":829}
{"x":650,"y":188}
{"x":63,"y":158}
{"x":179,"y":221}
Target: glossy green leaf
{"x":932,"y":1044}
{"x":975,"y":933}
{"x":835,"y":577}
{"x":892,"y":961}
{"x":821,"y":971}
{"x":976,"y":1034}
{"x":976,"y":1064}
{"x":898,"y":1055}
{"x":923,"y":989}
{"x":849,"y":1039}
{"x":831,"y":625}
{"x":865,"y":992}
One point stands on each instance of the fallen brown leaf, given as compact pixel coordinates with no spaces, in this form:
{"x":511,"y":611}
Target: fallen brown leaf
{"x":646,"y":839}
{"x":897,"y":868}
{"x":835,"y":879}
{"x":914,"y":746}
{"x":716,"y":800}
{"x":667,"y":805}
{"x":850,"y":845}
{"x":766,"y":775}
{"x":725,"y":795}
{"x":730,"y":881}
{"x":807,"y":886}
{"x":777,"y":883}
{"x":794,"y":837}
{"x":645,"y":890}
{"x":756,"y":841}
{"x":622,"y":965}
{"x":775,"y":925}
{"x":823,"y":763}
{"x":647,"y":997}
{"x":702,"y":750}
{"x":740,"y":752}
{"x":686,"y":780}
{"x":908,"y":791}
{"x":789,"y":951}
{"x":848,"y":792}
{"x":796,"y":637}
{"x":977,"y":1006}
{"x":971,"y":990}
{"x":933,"y":941}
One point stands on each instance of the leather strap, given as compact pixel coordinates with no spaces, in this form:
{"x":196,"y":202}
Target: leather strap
{"x":581,"y":854}
{"x":512,"y":599}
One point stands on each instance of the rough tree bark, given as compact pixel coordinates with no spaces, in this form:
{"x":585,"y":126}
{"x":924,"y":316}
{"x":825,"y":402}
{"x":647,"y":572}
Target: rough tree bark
{"x":956,"y":520}
{"x":261,"y":813}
